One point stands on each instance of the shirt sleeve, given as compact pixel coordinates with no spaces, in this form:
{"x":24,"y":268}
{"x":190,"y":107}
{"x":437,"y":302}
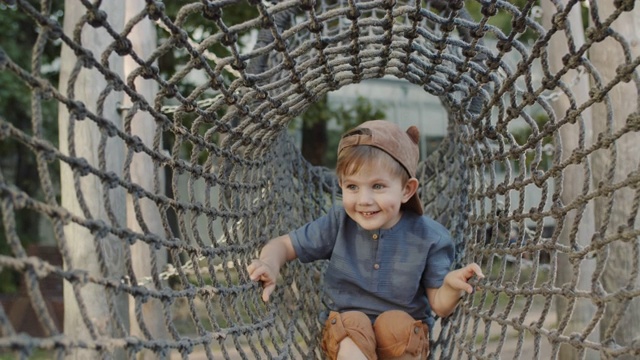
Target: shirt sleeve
{"x":439,"y":262}
{"x":315,"y":240}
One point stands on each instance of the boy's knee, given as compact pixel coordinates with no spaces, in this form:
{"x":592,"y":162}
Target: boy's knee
{"x":353,"y":324}
{"x":398,"y":334}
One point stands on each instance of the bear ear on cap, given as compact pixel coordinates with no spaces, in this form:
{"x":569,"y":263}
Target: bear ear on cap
{"x":414,"y":134}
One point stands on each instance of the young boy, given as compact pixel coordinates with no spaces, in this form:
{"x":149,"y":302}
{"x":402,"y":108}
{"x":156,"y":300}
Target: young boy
{"x":388,"y":263}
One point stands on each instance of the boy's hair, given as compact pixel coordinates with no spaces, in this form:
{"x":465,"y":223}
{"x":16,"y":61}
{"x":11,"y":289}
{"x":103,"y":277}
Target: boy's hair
{"x":384,"y":136}
{"x":353,"y":158}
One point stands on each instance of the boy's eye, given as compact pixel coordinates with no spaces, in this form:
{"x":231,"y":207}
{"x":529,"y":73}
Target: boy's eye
{"x":351,"y":187}
{"x":378,"y":186}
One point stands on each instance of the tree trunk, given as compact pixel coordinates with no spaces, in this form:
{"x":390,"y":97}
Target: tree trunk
{"x":577,"y":227}
{"x":149,"y":322}
{"x":102,"y":313}
{"x":314,"y":141}
{"x":621,"y":321}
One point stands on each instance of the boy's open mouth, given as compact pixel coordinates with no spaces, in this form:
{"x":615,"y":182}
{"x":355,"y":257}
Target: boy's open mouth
{"x":369,"y":213}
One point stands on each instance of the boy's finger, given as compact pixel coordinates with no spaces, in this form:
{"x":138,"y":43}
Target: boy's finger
{"x":266,"y":293}
{"x":476,"y":268}
{"x":257,"y":274}
{"x":252,"y":267}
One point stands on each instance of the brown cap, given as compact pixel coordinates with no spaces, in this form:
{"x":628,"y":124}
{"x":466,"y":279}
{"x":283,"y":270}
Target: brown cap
{"x":388,"y":137}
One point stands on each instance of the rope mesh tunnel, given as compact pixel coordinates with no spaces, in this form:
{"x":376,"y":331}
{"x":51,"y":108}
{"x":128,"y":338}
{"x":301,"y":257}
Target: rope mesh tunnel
{"x":157,"y":189}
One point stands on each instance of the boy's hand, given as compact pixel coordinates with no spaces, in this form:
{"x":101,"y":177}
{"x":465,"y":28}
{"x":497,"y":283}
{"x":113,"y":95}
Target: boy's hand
{"x":261,"y":271}
{"x":459,"y":279}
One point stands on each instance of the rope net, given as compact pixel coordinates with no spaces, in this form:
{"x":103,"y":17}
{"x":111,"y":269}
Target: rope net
{"x":155,"y":189}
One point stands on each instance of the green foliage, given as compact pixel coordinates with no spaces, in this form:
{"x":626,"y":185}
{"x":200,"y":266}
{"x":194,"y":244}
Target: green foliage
{"x":502,"y":19}
{"x":362,"y":110}
{"x":522,"y":136}
{"x":349,"y":117}
{"x":17,"y":161}
{"x":318,"y":112}
{"x":199,"y":27}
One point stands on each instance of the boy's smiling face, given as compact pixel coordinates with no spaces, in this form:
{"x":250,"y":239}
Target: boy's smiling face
{"x":373,"y":195}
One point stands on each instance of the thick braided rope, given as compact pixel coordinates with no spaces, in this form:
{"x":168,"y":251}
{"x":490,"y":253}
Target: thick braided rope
{"x":235,"y":179}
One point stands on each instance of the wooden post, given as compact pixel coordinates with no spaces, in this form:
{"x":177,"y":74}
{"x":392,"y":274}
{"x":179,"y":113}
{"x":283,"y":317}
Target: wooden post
{"x":573,"y":180}
{"x":89,"y":308}
{"x":607,"y":56}
{"x":143,"y":173}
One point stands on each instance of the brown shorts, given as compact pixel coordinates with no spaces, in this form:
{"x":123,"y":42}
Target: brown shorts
{"x":393,"y":334}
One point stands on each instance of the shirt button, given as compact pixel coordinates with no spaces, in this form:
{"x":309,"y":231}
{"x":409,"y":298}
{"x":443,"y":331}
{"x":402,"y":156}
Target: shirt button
{"x":376,"y":266}
{"x":375,"y":236}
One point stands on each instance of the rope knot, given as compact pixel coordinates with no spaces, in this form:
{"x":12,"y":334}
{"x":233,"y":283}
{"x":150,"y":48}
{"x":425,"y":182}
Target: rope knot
{"x":456,"y":5}
{"x":504,"y":45}
{"x":624,"y":5}
{"x":597,"y":94}
{"x":538,"y":177}
{"x":239,"y":65}
{"x":307,"y":5}
{"x":353,"y":14}
{"x":633,"y":121}
{"x":415,"y":16}
{"x":54,"y":31}
{"x":478,"y":32}
{"x":123,"y":46}
{"x":388,"y":4}
{"x":96,"y":17}
{"x":576,"y":338}
{"x":78,"y":110}
{"x":211,"y":11}
{"x":155,"y":9}
{"x":519,"y":25}
{"x":315,"y":27}
{"x":111,"y":180}
{"x":449,"y":26}
{"x":492,"y":63}
{"x":625,"y":72}
{"x":597,"y":34}
{"x":197,"y":171}
{"x":559,"y":21}
{"x":136,"y":144}
{"x":490,"y":132}
{"x":149,"y":72}
{"x":98,"y":228}
{"x":82,"y":166}
{"x":489,"y":9}
{"x":169,"y":91}
{"x":133,"y":344}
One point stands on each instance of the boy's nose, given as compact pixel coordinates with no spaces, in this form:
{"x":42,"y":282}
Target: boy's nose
{"x":365,"y":198}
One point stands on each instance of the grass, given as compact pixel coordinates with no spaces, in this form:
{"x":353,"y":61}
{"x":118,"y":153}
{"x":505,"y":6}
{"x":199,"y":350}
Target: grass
{"x":36,"y":354}
{"x":503,"y":296}
{"x":496,"y":299}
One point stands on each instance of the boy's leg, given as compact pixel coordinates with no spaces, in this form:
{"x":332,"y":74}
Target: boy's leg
{"x":348,"y":350}
{"x":399,"y":336}
{"x":352,"y":326}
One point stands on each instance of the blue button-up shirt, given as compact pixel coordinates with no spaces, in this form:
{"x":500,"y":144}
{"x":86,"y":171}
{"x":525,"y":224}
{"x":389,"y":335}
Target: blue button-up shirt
{"x":375,"y":271}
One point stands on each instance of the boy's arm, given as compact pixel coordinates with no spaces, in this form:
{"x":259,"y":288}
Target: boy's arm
{"x":266,"y":269}
{"x":443,"y":300}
